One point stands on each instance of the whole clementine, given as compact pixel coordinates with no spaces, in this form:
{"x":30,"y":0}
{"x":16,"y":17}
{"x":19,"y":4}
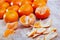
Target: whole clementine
{"x":26,"y":2}
{"x":1,"y":1}
{"x":5,"y":5}
{"x":8,"y":1}
{"x":14,"y":7}
{"x":25,"y":9}
{"x":2,"y":11}
{"x":16,"y":2}
{"x":10,"y":16}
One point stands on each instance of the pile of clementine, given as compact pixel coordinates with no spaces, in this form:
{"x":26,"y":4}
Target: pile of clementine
{"x":14,"y":10}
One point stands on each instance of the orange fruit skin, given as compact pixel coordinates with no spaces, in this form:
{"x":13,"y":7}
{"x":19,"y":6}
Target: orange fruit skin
{"x":37,"y":3}
{"x":46,"y":1}
{"x":14,"y":7}
{"x":20,"y":2}
{"x":27,"y":2}
{"x":8,"y":1}
{"x":8,"y":32}
{"x":2,"y":11}
{"x":25,"y":9}
{"x":31,"y":0}
{"x":1,"y":1}
{"x":5,"y":5}
{"x":17,"y":2}
{"x":42,"y":12}
{"x":12,"y":25}
{"x":10,"y":16}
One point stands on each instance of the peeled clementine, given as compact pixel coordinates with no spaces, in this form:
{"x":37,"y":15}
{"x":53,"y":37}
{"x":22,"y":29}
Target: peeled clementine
{"x":32,"y":19}
{"x":42,"y":12}
{"x":38,"y":3}
{"x":10,"y":16}
{"x":27,"y":20}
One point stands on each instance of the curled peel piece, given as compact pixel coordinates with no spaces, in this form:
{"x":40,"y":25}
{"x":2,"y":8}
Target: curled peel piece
{"x":50,"y":29}
{"x":8,"y":32}
{"x":13,"y":25}
{"x":32,"y":32}
{"x":35,"y":35}
{"x":50,"y":36}
{"x":46,"y":24}
{"x":41,"y":37}
{"x":40,"y":30}
{"x":40,"y":24}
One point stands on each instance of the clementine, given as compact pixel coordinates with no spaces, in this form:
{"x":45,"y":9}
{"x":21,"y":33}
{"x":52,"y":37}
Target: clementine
{"x":5,"y":5}
{"x":10,"y":16}
{"x":25,"y":9}
{"x":27,"y":20}
{"x":14,"y":7}
{"x":37,"y":3}
{"x":42,"y":12}
{"x":2,"y":11}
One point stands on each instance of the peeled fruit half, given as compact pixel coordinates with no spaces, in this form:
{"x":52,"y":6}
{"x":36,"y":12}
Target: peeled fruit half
{"x":27,"y":20}
{"x":23,"y":20}
{"x":10,"y":16}
{"x":42,"y":12}
{"x":32,"y":19}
